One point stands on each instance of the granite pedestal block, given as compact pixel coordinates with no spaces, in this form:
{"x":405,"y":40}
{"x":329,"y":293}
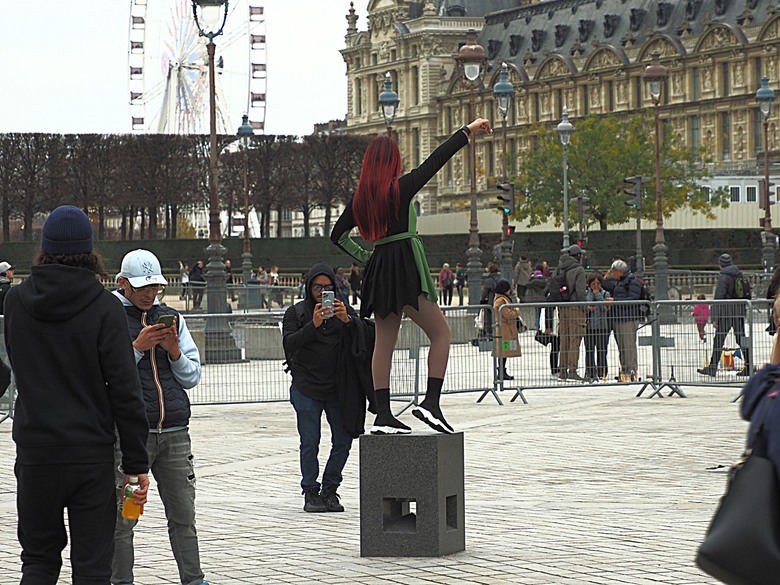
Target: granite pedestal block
{"x":411,"y":495}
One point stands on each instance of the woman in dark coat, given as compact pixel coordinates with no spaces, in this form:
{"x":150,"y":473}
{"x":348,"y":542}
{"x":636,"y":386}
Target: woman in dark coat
{"x":397,"y":278}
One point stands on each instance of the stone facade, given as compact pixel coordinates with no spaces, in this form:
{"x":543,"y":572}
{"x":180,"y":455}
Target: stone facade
{"x":588,"y":55}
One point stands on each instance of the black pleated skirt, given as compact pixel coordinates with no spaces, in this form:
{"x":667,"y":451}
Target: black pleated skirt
{"x":391,"y":280}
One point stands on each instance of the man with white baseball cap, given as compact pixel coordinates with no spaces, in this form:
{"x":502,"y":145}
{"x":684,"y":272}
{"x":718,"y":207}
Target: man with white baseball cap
{"x":6,"y":280}
{"x":168,"y":365}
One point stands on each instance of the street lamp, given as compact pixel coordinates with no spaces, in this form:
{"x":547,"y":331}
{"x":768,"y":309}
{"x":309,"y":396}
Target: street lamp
{"x":210,"y":17}
{"x":471,"y":61}
{"x":504,"y":91}
{"x":388,"y":102}
{"x":655,"y":75}
{"x":565,"y":130}
{"x":765,"y":95}
{"x":245,"y":134}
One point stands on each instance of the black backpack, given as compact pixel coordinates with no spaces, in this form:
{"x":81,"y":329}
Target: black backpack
{"x":558,"y":290}
{"x":741,"y":287}
{"x":644,"y":295}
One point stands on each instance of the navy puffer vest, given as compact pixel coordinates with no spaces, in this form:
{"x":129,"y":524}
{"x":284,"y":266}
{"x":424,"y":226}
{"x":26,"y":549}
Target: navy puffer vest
{"x":157,"y":379}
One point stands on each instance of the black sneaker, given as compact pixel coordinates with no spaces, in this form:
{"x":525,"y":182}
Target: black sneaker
{"x":314,"y":502}
{"x":573,"y":375}
{"x":389,"y":425}
{"x":432,"y":416}
{"x":707,"y":371}
{"x":331,"y":499}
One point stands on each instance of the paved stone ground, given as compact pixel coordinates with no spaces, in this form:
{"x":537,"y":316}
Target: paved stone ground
{"x":582,"y":485}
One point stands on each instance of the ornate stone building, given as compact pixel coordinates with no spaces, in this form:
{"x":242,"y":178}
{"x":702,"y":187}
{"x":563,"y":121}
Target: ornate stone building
{"x":588,"y":55}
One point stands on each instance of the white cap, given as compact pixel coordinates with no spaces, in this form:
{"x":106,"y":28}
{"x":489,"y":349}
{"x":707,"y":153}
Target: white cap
{"x":141,"y":268}
{"x":5,"y":267}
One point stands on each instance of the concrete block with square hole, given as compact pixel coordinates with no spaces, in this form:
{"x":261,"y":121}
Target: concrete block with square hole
{"x":411,"y":495}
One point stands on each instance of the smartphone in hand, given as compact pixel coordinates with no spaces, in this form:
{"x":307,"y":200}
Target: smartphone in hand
{"x":327,"y":302}
{"x":167,"y":320}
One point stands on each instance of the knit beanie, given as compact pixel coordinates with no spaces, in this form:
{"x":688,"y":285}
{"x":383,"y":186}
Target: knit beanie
{"x":725,"y":260}
{"x":67,"y":231}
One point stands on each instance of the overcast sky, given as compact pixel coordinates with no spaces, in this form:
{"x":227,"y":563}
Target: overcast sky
{"x":66,"y":65}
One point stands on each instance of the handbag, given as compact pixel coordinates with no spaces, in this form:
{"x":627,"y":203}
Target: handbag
{"x":543,"y":338}
{"x":741,"y":546}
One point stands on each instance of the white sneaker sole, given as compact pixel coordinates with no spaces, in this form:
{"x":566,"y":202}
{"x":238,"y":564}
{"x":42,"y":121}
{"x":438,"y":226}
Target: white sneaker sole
{"x":427,"y":417}
{"x":375,"y":430}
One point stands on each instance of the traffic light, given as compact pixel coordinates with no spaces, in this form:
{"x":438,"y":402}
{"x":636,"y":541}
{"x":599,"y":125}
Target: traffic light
{"x":509,"y":230}
{"x":762,"y":192}
{"x":583,"y":206}
{"x":636,"y":191}
{"x":507,"y":198}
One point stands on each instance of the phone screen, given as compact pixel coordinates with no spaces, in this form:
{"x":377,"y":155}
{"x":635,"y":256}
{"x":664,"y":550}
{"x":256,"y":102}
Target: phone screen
{"x":327,"y":301}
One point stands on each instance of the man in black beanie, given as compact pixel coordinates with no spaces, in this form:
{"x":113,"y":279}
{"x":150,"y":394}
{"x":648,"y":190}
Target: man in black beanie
{"x":727,"y":316}
{"x":69,"y":347}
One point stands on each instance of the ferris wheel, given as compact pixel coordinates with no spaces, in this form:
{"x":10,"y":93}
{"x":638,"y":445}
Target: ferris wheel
{"x":168,"y":68}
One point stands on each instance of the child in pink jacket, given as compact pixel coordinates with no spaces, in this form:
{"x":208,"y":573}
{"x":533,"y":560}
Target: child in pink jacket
{"x":701,"y":315}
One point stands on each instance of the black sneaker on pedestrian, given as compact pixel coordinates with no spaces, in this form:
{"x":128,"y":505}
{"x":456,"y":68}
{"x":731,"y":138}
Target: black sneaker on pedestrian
{"x":707,"y":371}
{"x":573,"y":375}
{"x":389,"y":425}
{"x":313,"y":501}
{"x":331,"y":499}
{"x":432,"y":416}
{"x":507,"y":376}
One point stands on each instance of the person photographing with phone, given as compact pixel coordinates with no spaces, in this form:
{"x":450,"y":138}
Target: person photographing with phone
{"x":168,"y":365}
{"x":328,"y":350}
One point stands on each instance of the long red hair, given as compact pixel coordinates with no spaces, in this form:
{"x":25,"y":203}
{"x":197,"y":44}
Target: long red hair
{"x":377,"y":188}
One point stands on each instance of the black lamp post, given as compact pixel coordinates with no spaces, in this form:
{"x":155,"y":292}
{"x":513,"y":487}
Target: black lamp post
{"x":655,"y":75}
{"x":565,"y":130}
{"x":245,"y":134}
{"x":388,"y":102}
{"x":504,"y":91}
{"x":471,"y":61}
{"x":765,"y":95}
{"x":210,"y":17}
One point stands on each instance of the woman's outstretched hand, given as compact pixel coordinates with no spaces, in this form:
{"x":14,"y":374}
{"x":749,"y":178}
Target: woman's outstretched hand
{"x":480,"y":125}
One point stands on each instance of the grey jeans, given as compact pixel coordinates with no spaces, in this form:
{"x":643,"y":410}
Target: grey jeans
{"x":625,"y":336}
{"x":170,"y":459}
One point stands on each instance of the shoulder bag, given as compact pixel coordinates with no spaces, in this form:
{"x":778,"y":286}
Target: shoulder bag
{"x":742,"y":546}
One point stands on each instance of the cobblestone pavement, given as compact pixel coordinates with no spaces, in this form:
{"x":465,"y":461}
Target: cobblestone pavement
{"x":582,"y":485}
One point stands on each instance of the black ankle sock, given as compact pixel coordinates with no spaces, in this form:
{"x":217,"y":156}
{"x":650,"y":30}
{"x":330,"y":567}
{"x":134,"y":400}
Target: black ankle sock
{"x":433,"y":392}
{"x":382,"y":401}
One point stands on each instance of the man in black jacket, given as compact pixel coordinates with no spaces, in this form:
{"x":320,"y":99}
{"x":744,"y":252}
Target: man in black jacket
{"x":727,"y":316}
{"x":69,"y":347}
{"x":317,"y":344}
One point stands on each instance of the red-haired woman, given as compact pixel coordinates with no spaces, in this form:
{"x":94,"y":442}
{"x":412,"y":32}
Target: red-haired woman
{"x":397,"y":278}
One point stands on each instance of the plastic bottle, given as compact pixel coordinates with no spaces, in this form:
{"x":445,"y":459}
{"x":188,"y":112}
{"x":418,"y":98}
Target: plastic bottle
{"x":131,"y":510}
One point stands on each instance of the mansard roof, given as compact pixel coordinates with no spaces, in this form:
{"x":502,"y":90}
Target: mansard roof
{"x":469,"y":8}
{"x":527,"y":35}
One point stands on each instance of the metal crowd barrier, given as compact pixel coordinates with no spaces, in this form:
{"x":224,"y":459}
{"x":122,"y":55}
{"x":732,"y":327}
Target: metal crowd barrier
{"x":243,"y":357}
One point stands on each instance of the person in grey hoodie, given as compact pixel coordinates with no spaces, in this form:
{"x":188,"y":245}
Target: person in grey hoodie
{"x":726,"y":317}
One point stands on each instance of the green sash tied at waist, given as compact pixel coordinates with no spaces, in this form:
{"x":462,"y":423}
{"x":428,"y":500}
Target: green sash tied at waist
{"x":426,"y":280}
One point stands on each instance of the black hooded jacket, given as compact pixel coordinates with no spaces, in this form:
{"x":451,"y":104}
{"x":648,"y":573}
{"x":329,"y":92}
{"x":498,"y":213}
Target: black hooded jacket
{"x":69,"y":347}
{"x":758,"y":389}
{"x":334,"y":361}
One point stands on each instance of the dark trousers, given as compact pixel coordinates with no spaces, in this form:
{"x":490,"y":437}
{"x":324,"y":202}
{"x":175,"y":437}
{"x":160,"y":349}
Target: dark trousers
{"x":726,"y":324}
{"x":43,"y":492}
{"x":555,"y":352}
{"x":446,"y":295}
{"x":596,"y":341}
{"x":197,"y":289}
{"x":309,"y":415}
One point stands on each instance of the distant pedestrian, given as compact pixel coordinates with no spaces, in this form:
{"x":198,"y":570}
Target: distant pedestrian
{"x":197,"y":284}
{"x":507,"y":341}
{"x":355,"y":280}
{"x":78,"y":390}
{"x":446,"y":283}
{"x":727,"y":317}
{"x":184,"y":278}
{"x":534,"y":293}
{"x":701,"y":316}
{"x":598,"y":328}
{"x":572,"y":322}
{"x":623,"y":285}
{"x":522,"y":277}
{"x":231,"y":292}
{"x":460,"y":280}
